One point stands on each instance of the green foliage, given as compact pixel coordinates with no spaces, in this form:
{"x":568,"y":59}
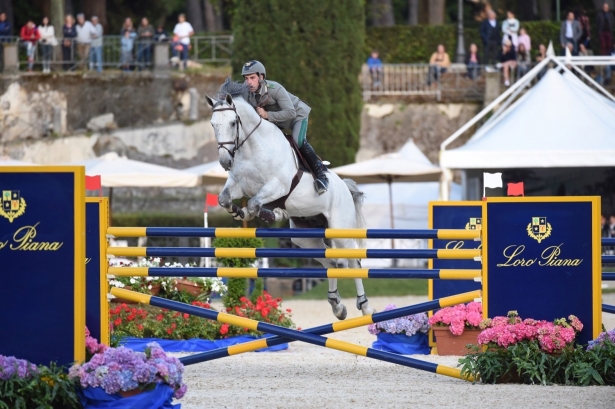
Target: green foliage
{"x":525,"y":362}
{"x":259,"y":288}
{"x":415,"y":44}
{"x":373,"y":288}
{"x":49,"y":389}
{"x":236,"y":290}
{"x":314,"y":49}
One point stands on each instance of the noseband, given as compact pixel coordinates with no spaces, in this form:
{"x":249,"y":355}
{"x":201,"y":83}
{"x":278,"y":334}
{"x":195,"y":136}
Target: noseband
{"x":236,"y":144}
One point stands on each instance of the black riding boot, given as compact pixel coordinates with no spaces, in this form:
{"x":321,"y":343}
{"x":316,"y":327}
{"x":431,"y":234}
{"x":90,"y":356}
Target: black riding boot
{"x":321,"y":184}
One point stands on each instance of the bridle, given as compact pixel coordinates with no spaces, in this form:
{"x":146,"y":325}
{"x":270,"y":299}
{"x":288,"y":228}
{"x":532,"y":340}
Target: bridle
{"x":236,"y":144}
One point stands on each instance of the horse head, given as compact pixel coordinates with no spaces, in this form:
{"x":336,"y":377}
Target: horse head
{"x":227,"y":124}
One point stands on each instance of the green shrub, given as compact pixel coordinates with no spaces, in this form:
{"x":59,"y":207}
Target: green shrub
{"x":314,"y":49}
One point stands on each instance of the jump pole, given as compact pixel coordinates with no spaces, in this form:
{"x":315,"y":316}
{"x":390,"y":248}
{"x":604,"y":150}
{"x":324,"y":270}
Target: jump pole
{"x":291,"y":253}
{"x":442,"y":234}
{"x":364,"y":273}
{"x":289,"y":333}
{"x":608,"y":308}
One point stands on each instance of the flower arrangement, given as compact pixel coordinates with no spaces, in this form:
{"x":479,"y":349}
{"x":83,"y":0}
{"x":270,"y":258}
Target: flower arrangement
{"x":551,"y":336}
{"x":20,"y":368}
{"x":409,"y":325}
{"x":265,"y":309}
{"x":458,"y":317}
{"x":121,"y":370}
{"x":605,"y":337}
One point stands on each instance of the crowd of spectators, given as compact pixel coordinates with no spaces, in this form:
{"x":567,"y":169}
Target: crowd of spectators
{"x":82,"y":43}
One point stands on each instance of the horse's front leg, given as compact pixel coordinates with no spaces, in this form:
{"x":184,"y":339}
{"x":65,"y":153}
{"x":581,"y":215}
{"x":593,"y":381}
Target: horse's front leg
{"x":267,"y":194}
{"x":233,"y":191}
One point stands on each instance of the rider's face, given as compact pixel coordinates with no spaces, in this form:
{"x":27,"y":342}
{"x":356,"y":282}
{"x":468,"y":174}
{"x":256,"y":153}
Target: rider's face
{"x":252,"y":81}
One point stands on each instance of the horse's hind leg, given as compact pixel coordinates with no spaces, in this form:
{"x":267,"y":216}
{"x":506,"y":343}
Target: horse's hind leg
{"x":362,"y":301}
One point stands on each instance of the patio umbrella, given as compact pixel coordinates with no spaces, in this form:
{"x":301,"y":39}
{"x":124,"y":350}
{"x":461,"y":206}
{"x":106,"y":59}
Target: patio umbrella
{"x":407,"y":165}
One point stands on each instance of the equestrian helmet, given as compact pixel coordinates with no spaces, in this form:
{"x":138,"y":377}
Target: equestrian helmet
{"x":253,"y":67}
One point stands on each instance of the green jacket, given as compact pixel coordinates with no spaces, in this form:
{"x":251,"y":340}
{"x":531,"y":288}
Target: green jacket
{"x":283,"y":108}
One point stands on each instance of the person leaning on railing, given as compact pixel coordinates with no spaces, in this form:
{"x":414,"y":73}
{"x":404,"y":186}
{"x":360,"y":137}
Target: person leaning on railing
{"x":96,"y":46}
{"x":144,"y":50}
{"x":69,"y":33}
{"x":438,"y":64}
{"x":523,"y":60}
{"x":472,"y":62}
{"x":29,"y":37}
{"x":5,"y":37}
{"x":48,"y":42}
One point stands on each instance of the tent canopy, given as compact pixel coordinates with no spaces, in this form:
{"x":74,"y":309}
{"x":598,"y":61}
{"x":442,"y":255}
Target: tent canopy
{"x":211,"y":173}
{"x":407,"y":165}
{"x":116,"y":171}
{"x":6,"y":161}
{"x":560,"y":122}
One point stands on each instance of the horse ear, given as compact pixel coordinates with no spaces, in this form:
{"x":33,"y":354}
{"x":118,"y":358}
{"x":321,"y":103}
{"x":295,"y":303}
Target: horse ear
{"x":209,"y":100}
{"x":229,"y":99}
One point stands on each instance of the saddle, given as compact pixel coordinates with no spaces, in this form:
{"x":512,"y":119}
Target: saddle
{"x":302,"y":167}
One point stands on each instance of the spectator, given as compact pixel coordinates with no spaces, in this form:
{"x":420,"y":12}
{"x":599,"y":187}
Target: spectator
{"x":96,"y":49}
{"x":508,"y":60}
{"x":69,"y":33}
{"x":85,"y":32}
{"x":146,"y":35}
{"x":584,"y":52}
{"x":472,"y":62}
{"x":128,"y":43}
{"x":523,"y":60}
{"x":29,"y":36}
{"x":375,"y":68}
{"x":524,"y":39}
{"x":510,"y":28}
{"x":570,"y":32}
{"x":5,"y":37}
{"x":609,"y":68}
{"x":586,"y":30}
{"x":48,"y":42}
{"x":183,"y":30}
{"x":161,"y":34}
{"x":438,"y":64}
{"x":605,"y":25}
{"x":490,"y":34}
{"x":128,"y":26}
{"x":542,"y":54}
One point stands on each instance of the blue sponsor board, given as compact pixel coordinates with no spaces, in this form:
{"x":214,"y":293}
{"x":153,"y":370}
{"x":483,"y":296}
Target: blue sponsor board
{"x":543,"y":259}
{"x":97,"y":306}
{"x":42,"y":263}
{"x":454,"y":215}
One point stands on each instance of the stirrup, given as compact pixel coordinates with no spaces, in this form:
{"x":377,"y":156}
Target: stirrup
{"x":321,"y":185}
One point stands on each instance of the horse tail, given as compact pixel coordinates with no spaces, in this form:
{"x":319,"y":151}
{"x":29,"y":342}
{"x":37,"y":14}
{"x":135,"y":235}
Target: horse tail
{"x":357,"y":198}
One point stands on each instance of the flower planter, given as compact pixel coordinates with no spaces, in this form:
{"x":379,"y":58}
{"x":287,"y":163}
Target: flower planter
{"x":450,"y":344}
{"x":402,"y":344}
{"x":188,"y":286}
{"x":155,"y":290}
{"x":160,"y":397}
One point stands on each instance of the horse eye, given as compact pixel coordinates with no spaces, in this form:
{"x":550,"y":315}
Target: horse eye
{"x":233,"y":123}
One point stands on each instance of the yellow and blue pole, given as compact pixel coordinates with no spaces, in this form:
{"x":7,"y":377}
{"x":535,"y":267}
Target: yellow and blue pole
{"x":608,"y":308}
{"x":291,"y":253}
{"x":442,"y":274}
{"x":442,"y":234}
{"x":306,"y":336}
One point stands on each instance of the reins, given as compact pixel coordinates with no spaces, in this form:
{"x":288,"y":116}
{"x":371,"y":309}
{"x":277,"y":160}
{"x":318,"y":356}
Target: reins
{"x":236,"y":144}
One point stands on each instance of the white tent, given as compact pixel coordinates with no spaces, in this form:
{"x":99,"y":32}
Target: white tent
{"x":116,"y":171}
{"x":211,"y":173}
{"x":6,"y":161}
{"x":560,"y":122}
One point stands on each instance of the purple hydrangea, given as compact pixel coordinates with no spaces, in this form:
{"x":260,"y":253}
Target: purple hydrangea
{"x":11,"y":366}
{"x":610,"y":335}
{"x":408,"y":325}
{"x":122,"y":369}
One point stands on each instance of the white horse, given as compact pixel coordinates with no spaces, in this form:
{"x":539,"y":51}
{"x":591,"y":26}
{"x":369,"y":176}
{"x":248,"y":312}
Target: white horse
{"x":261,"y":166}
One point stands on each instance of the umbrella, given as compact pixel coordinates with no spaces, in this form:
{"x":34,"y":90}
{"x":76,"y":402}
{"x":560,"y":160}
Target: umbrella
{"x":6,"y":161}
{"x":211,"y":173}
{"x":407,"y":165}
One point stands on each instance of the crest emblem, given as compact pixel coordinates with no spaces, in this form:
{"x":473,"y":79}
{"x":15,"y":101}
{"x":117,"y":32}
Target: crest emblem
{"x":475,"y":223}
{"x":12,"y":205}
{"x":539,"y":229}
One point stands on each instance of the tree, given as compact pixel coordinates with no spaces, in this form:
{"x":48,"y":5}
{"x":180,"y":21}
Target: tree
{"x":213,"y":15}
{"x":96,"y":8}
{"x":194,"y":15}
{"x":56,"y":15}
{"x":317,"y":59}
{"x":545,"y":10}
{"x":413,"y":12}
{"x":382,"y":13}
{"x":436,"y":12}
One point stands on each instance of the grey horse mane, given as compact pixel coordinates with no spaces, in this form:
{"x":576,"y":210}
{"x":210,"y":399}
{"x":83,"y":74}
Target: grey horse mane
{"x":235,"y":89}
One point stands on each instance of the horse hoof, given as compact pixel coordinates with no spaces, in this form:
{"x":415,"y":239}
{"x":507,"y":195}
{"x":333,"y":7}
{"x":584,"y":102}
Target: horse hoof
{"x":369,"y":311}
{"x":340,"y":311}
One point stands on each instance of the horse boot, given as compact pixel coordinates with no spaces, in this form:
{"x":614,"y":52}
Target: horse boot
{"x":321,"y":184}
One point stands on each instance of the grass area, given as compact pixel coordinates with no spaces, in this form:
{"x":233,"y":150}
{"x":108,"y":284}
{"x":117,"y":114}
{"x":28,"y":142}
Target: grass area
{"x":373,"y":288}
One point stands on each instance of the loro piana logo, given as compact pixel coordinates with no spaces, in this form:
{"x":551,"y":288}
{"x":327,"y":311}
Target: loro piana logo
{"x":539,"y":229}
{"x":12,"y":205}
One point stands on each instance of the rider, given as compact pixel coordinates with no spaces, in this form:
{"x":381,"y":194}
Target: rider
{"x":274,"y":103}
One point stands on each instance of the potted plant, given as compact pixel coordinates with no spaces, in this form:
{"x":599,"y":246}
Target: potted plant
{"x":455,"y":327}
{"x":151,"y":379}
{"x":405,"y":335}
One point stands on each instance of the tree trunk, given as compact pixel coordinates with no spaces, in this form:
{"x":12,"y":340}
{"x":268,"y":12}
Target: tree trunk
{"x":68,"y":9}
{"x":526,"y":10}
{"x":7,"y":7}
{"x":382,"y":13}
{"x":194,"y":15}
{"x":413,"y":12}
{"x":436,"y":12}
{"x":56,"y":16}
{"x":96,"y":8}
{"x":545,"y":10}
{"x":213,"y":15}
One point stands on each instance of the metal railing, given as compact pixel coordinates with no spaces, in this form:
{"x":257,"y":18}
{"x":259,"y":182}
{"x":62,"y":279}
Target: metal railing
{"x":203,"y":50}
